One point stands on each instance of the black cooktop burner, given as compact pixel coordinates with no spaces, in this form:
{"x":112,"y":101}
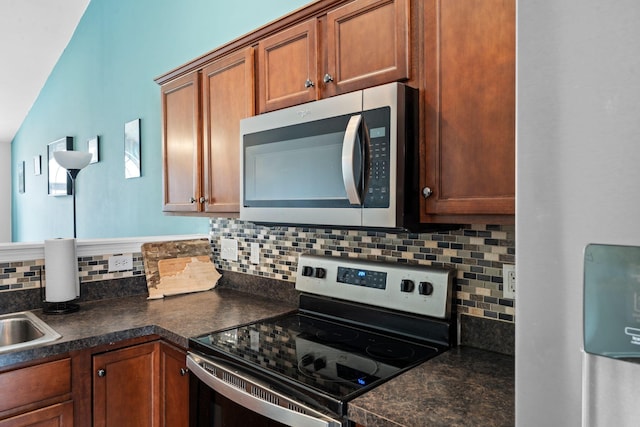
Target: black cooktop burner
{"x":390,"y":350}
{"x":333,"y":358}
{"x":337,"y":335}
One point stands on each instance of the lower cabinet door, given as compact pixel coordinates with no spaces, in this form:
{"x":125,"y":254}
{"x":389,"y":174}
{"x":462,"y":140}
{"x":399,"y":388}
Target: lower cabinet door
{"x":125,"y":387}
{"x":174,"y":383}
{"x":59,"y":415}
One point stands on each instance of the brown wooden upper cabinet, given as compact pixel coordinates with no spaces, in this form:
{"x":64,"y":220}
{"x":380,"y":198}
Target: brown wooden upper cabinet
{"x":228,"y":96}
{"x":460,"y":54}
{"x":367,"y":45}
{"x":181,"y":144}
{"x":288,"y":67}
{"x":361,"y":44}
{"x":201,"y":114}
{"x":468,"y":131}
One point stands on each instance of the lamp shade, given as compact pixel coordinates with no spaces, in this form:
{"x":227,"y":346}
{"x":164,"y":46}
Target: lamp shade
{"x":72,"y":159}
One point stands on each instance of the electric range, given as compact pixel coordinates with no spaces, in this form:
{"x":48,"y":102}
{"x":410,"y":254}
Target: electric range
{"x":359,"y":323}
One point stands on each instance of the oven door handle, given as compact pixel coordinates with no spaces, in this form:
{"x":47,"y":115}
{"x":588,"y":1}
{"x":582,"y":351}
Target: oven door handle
{"x":237,"y":387}
{"x":349,"y":147}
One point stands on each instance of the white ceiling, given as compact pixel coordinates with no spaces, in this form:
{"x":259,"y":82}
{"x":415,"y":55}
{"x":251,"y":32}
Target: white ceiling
{"x":33,"y":35}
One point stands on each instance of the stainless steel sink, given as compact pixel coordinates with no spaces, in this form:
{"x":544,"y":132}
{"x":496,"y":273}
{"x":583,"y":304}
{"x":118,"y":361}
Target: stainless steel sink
{"x":24,"y":329}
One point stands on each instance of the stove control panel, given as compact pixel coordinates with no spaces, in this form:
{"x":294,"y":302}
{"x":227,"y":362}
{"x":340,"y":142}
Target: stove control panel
{"x":418,"y":289}
{"x":362,"y":277}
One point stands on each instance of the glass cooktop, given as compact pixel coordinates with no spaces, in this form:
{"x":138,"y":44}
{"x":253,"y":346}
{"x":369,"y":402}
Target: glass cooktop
{"x":332,"y":358}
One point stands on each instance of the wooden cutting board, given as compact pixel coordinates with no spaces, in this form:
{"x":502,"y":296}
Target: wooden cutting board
{"x":177,"y":267}
{"x":186,"y":274}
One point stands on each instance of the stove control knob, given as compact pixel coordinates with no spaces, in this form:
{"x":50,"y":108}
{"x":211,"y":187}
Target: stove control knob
{"x":343,"y":276}
{"x":307,"y":359}
{"x":320,"y":273}
{"x":425,"y":288}
{"x":407,"y":285}
{"x":307,"y":271}
{"x":319,"y":364}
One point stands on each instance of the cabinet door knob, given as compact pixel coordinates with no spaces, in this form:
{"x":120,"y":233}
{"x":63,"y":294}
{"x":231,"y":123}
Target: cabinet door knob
{"x":327,"y":78}
{"x":102,"y":373}
{"x":184,"y":371}
{"x":192,"y":199}
{"x":308,"y":84}
{"x":426,"y":192}
{"x":203,"y":199}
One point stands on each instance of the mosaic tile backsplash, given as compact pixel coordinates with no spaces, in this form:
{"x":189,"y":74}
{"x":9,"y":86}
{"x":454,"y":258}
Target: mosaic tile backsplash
{"x":477,"y":252}
{"x":26,"y":274}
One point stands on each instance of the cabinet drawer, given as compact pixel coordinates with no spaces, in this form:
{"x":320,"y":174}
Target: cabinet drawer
{"x":59,"y":415}
{"x":34,"y":384}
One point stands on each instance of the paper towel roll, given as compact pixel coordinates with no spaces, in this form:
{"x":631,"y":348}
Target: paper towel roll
{"x":61,"y":269}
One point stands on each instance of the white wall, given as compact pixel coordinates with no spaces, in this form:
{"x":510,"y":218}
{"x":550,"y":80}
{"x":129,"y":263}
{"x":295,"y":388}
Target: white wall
{"x":5,"y":192}
{"x":578,"y":182}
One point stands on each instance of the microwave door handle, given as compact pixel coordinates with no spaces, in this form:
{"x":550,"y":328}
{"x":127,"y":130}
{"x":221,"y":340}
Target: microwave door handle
{"x":348,"y":153}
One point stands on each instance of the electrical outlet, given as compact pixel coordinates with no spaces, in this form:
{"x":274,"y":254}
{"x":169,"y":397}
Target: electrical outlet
{"x":229,"y":249}
{"x":121,"y":262}
{"x":509,"y":281}
{"x":255,"y":253}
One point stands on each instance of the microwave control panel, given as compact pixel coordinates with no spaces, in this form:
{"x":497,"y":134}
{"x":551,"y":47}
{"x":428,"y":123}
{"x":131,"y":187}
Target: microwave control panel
{"x":378,"y":187}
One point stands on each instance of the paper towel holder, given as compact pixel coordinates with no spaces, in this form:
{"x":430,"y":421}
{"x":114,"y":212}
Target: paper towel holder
{"x":48,"y":307}
{"x":59,"y":307}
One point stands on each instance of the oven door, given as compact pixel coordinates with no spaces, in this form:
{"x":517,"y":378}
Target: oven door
{"x":226,"y":397}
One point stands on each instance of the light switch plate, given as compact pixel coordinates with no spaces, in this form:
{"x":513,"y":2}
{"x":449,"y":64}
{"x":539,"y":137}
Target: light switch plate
{"x":255,"y":253}
{"x":229,"y":249}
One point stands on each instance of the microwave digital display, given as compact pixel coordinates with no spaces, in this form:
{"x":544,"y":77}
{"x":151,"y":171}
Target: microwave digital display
{"x":380,"y":132}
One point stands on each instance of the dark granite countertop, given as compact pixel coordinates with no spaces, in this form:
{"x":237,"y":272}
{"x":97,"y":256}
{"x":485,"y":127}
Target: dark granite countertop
{"x":462,"y":387}
{"x":173,"y":318}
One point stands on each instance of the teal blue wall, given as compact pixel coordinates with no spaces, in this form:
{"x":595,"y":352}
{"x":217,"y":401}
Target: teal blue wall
{"x":103,"y":79}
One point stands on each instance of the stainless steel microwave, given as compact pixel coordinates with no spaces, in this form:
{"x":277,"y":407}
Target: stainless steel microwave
{"x":346,"y":161}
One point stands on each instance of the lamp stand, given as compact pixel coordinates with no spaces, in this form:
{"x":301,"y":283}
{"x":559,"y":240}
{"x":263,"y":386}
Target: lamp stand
{"x":73,"y":173}
{"x":65,"y":307}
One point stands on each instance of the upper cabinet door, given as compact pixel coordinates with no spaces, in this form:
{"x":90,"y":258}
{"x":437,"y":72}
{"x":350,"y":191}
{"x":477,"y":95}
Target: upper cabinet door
{"x":367,"y":45}
{"x":181,"y":153}
{"x":287,"y":67}
{"x":228,"y":96}
{"x":469,"y":127}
